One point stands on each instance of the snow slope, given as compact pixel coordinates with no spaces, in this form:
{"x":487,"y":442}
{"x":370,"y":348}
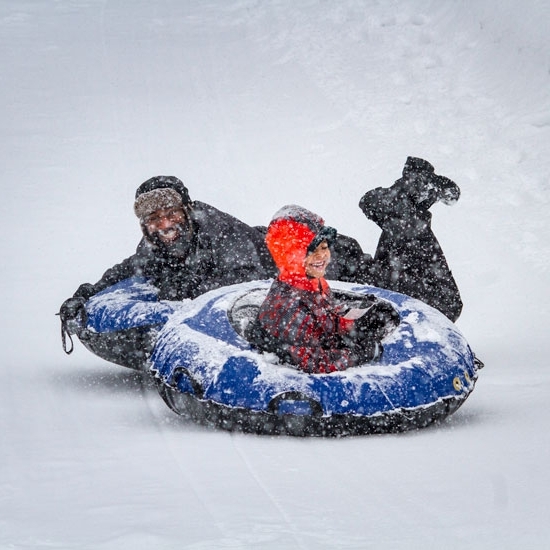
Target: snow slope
{"x":255,"y":105}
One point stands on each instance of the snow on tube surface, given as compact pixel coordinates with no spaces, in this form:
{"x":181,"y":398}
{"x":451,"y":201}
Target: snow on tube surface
{"x":208,"y":372}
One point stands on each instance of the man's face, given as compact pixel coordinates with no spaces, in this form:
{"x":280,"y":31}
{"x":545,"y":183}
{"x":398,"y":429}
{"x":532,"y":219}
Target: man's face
{"x":167,"y":225}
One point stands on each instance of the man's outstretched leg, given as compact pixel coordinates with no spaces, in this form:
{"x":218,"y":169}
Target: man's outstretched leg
{"x":408,"y":257}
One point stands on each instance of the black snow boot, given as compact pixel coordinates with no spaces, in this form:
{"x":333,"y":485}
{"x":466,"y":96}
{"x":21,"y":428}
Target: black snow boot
{"x":424,"y":186}
{"x":410,"y":196}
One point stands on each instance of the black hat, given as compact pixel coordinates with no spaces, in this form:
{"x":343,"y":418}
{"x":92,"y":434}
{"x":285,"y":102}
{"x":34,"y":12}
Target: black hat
{"x":161,"y":182}
{"x":160,"y":192}
{"x":327,"y":234}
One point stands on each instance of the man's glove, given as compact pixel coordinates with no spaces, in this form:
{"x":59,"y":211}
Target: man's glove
{"x":73,"y":315}
{"x":378,"y":321}
{"x":364,"y":339}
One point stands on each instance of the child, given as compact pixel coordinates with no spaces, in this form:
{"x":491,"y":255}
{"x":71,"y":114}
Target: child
{"x":300,"y":320}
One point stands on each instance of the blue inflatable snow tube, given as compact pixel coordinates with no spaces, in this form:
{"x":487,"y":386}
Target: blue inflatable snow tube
{"x":208,"y":372}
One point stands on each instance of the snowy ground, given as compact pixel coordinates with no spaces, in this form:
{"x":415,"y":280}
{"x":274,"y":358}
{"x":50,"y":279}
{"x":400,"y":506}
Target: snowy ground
{"x":255,"y":105}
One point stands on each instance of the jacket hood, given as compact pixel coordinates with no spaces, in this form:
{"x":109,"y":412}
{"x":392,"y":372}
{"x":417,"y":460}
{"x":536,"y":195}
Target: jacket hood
{"x":292,"y":233}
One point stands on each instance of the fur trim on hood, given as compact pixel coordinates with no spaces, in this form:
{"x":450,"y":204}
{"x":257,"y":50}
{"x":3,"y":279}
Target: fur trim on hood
{"x":157,"y":199}
{"x":155,"y":191}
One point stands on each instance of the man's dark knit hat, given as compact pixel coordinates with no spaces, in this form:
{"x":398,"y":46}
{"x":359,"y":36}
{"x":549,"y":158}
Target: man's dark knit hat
{"x":158,"y":193}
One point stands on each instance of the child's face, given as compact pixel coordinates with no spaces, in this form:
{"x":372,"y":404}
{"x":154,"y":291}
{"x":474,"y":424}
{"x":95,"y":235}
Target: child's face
{"x":316,"y":262}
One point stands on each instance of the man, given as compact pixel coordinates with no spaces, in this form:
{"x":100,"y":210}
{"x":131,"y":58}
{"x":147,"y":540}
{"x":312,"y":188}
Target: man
{"x":189,"y":247}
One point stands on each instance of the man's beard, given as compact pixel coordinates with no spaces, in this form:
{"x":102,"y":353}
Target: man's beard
{"x":179,"y":247}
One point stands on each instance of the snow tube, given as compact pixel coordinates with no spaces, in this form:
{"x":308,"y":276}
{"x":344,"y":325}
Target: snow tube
{"x":208,"y":372}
